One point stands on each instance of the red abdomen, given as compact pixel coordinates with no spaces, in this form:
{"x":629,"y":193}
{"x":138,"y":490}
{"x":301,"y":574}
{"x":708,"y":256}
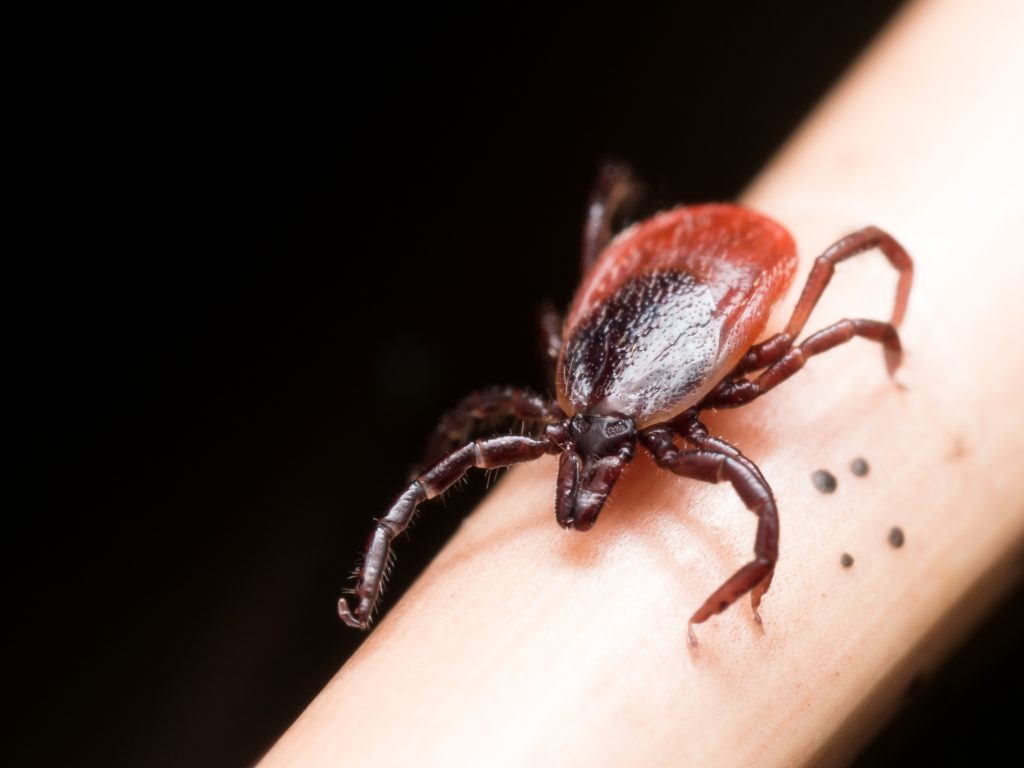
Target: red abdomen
{"x":669,"y":308}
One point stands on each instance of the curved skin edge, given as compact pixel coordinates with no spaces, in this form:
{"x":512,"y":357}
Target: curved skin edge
{"x":542,"y":646}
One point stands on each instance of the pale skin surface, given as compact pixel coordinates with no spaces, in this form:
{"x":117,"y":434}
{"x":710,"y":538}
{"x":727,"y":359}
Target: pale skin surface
{"x":524,"y":644}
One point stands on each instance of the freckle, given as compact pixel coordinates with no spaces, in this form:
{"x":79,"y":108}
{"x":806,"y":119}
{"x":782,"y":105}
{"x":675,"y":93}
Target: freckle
{"x":846,"y":560}
{"x":859,"y":467}
{"x":824,"y":481}
{"x":896,"y":538}
{"x":959,"y":449}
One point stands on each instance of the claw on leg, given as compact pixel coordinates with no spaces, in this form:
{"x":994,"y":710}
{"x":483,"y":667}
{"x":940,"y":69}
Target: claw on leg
{"x":348,"y":617}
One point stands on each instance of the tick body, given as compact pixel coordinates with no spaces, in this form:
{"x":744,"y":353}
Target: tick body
{"x":662,"y":327}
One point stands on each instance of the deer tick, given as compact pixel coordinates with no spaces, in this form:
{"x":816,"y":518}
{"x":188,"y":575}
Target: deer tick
{"x":662,"y":327}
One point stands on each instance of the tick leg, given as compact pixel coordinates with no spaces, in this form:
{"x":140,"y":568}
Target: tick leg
{"x":860,"y":241}
{"x":615,"y":192}
{"x":764,"y":354}
{"x":714,"y":466}
{"x":772,"y":349}
{"x":458,"y":425}
{"x":550,"y":327}
{"x":692,"y":429}
{"x":487,"y":454}
{"x":695,"y":433}
{"x":738,"y":391}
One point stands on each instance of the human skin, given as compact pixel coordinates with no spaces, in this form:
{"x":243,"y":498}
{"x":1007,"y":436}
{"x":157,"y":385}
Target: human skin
{"x":525,"y":644}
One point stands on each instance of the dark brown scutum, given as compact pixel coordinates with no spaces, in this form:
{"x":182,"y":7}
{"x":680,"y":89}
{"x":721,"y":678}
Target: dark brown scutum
{"x":648,"y":346}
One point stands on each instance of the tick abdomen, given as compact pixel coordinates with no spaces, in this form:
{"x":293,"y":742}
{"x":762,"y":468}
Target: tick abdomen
{"x":669,"y":308}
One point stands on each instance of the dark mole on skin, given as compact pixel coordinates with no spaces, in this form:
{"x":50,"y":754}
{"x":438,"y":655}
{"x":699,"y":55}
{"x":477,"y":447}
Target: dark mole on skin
{"x":846,"y":560}
{"x":896,"y":537}
{"x":824,"y":481}
{"x":859,"y":467}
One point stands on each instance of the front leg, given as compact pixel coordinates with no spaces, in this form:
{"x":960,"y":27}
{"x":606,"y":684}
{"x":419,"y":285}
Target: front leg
{"x":486,"y":454}
{"x":458,"y":425}
{"x":692,"y":430}
{"x":714,"y":466}
{"x":616,"y":193}
{"x":549,"y":327}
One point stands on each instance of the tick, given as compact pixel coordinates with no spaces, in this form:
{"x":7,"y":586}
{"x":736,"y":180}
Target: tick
{"x":662,"y":327}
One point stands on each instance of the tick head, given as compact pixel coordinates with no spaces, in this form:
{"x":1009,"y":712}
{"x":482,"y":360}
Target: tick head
{"x":599,"y":448}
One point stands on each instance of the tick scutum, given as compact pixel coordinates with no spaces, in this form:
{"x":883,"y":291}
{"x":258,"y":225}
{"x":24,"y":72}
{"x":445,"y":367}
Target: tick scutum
{"x":651,"y":344}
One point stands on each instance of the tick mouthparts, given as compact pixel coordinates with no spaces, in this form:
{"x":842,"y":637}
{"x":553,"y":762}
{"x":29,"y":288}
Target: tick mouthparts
{"x":568,"y":483}
{"x":584,"y":483}
{"x":588,"y":507}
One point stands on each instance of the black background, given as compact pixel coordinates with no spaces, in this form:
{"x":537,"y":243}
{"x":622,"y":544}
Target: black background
{"x":263,"y":254}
